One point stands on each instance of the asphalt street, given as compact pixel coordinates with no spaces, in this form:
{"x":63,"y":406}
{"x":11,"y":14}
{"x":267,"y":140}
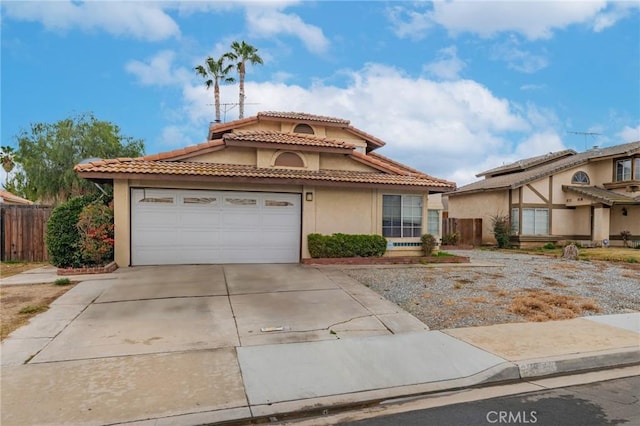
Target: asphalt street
{"x":612,"y":402}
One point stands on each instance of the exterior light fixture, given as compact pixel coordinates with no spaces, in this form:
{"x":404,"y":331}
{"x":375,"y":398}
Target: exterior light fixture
{"x":308,"y":196}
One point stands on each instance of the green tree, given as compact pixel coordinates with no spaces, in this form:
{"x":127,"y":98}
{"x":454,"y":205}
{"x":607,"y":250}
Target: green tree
{"x":213,"y":72}
{"x":47,"y":153}
{"x":243,"y":53}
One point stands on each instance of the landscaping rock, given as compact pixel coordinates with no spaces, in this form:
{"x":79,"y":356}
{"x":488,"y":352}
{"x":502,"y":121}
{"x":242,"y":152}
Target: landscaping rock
{"x":570,"y":252}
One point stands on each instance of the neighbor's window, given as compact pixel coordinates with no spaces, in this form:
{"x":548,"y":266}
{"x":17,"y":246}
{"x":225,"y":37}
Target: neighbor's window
{"x":580,"y":178}
{"x":433,"y":222}
{"x":535,"y":221}
{"x":623,"y":170}
{"x":401,"y":216}
{"x":515,"y":221}
{"x":636,"y":174}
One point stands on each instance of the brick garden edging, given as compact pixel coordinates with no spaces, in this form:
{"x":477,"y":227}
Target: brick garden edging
{"x":387,"y":260}
{"x":109,"y":267}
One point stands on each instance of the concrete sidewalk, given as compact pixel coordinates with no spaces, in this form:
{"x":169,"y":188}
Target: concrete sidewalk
{"x":197,"y":382}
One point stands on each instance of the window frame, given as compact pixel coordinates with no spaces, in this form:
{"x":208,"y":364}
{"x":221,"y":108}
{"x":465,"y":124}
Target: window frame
{"x":430,"y":219}
{"x":536,"y":211}
{"x":621,"y":177}
{"x":581,"y":173}
{"x":410,"y":224}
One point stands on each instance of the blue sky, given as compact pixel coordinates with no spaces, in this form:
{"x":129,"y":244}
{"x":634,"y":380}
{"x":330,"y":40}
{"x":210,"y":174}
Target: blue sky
{"x":453,"y":87}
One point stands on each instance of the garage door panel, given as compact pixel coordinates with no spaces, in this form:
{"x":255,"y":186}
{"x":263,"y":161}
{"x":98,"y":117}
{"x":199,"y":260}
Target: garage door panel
{"x":199,"y":226}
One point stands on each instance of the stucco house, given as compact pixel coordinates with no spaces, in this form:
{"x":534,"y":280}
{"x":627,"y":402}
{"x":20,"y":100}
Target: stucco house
{"x":257,"y":187}
{"x":587,"y":197}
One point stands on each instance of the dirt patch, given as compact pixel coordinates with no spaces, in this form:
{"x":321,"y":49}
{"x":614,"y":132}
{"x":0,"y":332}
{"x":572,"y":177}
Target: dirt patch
{"x":20,"y":303}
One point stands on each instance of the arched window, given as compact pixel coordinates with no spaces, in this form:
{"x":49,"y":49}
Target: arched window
{"x":303,"y":128}
{"x":580,"y":178}
{"x":289,"y":159}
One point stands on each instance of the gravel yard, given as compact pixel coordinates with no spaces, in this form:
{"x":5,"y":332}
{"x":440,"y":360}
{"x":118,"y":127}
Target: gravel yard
{"x":520,"y":287}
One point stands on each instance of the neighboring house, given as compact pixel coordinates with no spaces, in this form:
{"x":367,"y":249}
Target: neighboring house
{"x":10,"y":199}
{"x":588,"y":197}
{"x":255,"y":190}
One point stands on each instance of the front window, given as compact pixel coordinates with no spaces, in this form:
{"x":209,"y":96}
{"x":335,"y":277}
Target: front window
{"x":535,"y":221}
{"x":401,"y":216}
{"x":515,"y":221}
{"x":433,"y":222}
{"x":623,"y":170}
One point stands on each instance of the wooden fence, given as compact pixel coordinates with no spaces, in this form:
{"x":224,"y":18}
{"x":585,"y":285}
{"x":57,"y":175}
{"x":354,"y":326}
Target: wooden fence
{"x":22,"y":233}
{"x":470,"y":230}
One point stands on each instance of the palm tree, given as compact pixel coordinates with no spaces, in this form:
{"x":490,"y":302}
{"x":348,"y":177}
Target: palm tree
{"x":214,"y":71}
{"x":241,"y":54}
{"x":7,"y":157}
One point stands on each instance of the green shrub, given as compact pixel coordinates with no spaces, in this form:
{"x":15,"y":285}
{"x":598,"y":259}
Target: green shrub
{"x":549,"y":246}
{"x":501,"y":230}
{"x":451,"y":239}
{"x":428,"y":244}
{"x":63,"y":237}
{"x":62,"y":281}
{"x":346,"y":245}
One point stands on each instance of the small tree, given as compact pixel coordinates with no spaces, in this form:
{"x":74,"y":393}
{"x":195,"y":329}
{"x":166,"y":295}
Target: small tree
{"x":95,"y":224}
{"x":501,"y":230}
{"x":429,"y":243}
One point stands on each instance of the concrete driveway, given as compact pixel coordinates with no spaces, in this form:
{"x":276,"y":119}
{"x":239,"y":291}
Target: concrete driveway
{"x":163,"y":309}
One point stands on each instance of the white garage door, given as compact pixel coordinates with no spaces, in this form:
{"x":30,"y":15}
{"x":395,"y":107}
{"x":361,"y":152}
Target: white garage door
{"x":171,"y":226}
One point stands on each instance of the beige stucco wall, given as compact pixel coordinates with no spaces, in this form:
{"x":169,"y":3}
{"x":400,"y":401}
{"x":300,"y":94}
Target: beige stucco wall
{"x":230,"y":155}
{"x":342,"y":162}
{"x":630,"y":222}
{"x":483,"y":205}
{"x":529,"y":196}
{"x":569,"y":222}
{"x":121,"y":222}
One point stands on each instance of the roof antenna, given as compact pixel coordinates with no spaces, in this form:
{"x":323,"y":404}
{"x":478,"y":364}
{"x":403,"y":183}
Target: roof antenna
{"x":226,"y":107}
{"x":585,"y":134}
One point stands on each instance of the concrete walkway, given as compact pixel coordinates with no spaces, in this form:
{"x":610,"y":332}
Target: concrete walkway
{"x":185,"y":345}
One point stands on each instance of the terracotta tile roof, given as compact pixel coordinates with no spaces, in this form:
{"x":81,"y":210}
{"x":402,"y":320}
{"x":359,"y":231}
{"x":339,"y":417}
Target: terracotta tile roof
{"x":374,"y":142}
{"x":602,"y":195}
{"x":178,"y":168}
{"x":517,"y":179}
{"x":187,"y":151}
{"x":9,"y":198}
{"x":268,"y":136}
{"x":403,"y":168}
{"x":301,"y":116}
{"x":527,"y":163}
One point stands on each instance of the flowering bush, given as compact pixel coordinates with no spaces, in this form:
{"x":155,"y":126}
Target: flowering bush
{"x":95,"y":225}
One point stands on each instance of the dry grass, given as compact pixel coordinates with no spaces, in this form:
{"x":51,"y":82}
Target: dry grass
{"x":8,"y":269}
{"x":541,"y":305}
{"x":20,"y":303}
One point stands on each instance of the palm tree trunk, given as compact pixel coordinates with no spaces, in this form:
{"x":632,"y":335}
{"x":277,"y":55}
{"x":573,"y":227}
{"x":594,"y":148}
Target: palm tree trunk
{"x":216,"y":91}
{"x":241,"y":115}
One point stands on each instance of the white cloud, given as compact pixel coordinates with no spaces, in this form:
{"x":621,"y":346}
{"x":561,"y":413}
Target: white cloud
{"x":141,"y":20}
{"x":532,"y":19}
{"x":268,"y":22}
{"x":517,"y":58}
{"x":408,"y":23}
{"x":629,"y":134}
{"x":616,"y":12}
{"x":532,"y":86}
{"x":159,"y":70}
{"x":447,"y":66}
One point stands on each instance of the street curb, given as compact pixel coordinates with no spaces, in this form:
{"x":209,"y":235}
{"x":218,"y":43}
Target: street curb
{"x":566,"y":364}
{"x":508,"y":372}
